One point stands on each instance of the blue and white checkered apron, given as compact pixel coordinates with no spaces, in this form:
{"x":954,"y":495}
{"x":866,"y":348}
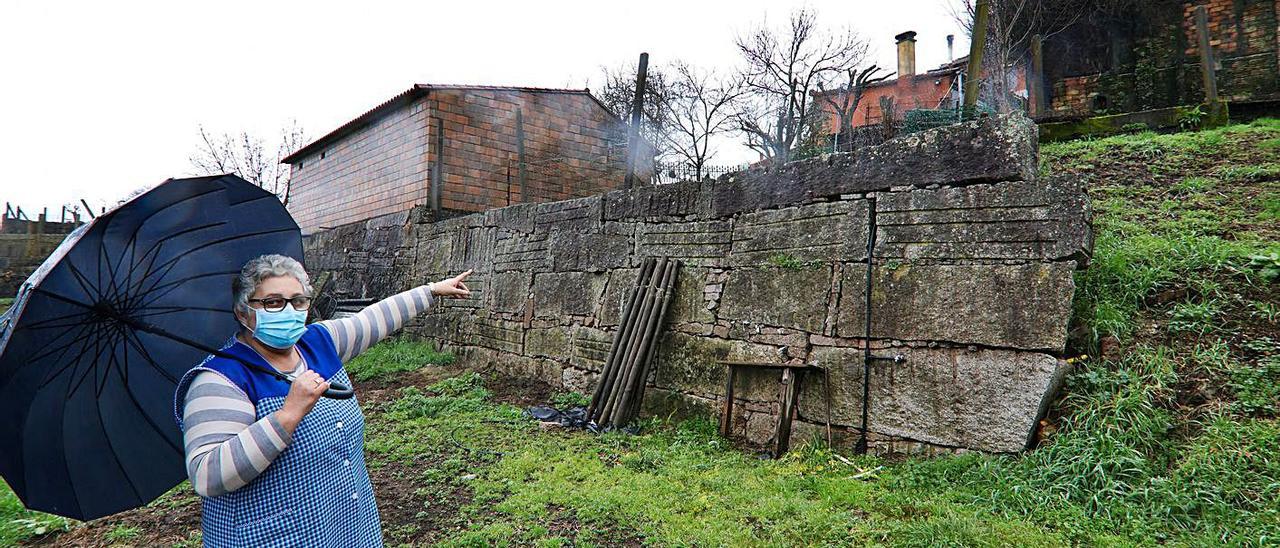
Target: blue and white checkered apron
{"x":317,"y":492}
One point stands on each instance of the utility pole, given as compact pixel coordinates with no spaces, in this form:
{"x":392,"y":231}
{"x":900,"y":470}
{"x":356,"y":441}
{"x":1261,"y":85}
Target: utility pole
{"x":974,"y":74}
{"x":520,"y":154}
{"x":637,"y":112}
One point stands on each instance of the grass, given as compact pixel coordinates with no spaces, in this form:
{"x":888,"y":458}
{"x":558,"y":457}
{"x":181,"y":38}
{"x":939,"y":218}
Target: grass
{"x":17,"y":523}
{"x":383,"y":361}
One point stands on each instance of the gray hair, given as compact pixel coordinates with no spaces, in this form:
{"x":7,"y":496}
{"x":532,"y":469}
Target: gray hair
{"x":261,"y":268}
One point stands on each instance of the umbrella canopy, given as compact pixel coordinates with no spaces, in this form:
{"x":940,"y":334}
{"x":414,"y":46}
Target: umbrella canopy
{"x":93,"y":346}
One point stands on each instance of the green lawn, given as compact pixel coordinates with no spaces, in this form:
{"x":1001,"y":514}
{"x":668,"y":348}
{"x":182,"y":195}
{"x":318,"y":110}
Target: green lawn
{"x":1170,"y":436}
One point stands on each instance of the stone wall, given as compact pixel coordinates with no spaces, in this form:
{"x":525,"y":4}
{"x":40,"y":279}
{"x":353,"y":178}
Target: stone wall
{"x":971,"y":285}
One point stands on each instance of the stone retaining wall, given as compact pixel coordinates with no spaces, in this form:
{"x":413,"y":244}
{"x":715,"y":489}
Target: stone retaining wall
{"x":971,"y":285}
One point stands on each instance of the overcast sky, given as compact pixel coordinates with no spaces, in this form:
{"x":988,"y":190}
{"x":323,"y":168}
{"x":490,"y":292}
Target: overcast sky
{"x":100,"y":98}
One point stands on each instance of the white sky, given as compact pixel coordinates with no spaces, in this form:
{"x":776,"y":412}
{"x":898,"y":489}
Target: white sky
{"x":100,"y":98}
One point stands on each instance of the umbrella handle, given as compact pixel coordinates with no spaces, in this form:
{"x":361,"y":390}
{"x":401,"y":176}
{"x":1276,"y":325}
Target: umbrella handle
{"x":339,"y":391}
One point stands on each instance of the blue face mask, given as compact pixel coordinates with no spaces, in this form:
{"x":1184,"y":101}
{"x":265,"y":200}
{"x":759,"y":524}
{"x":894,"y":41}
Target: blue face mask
{"x":279,"y":329}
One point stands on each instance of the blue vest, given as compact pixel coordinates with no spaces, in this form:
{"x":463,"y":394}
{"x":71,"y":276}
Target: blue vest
{"x":317,"y":491}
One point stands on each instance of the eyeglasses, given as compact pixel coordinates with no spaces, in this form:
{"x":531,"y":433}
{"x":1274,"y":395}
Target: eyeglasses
{"x":276,"y":304}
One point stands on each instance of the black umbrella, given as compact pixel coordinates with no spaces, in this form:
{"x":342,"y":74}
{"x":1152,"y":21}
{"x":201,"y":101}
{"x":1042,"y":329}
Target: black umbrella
{"x":97,"y":338}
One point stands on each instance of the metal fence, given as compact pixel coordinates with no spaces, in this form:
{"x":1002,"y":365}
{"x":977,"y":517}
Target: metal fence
{"x":674,"y":172}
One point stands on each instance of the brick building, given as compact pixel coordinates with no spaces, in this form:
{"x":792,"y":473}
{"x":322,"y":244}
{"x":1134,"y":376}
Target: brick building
{"x":939,"y":88}
{"x":387,"y":159}
{"x":1147,"y":56}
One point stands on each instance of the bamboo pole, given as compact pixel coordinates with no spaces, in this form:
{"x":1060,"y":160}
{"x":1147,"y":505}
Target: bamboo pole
{"x":632,"y":344}
{"x":619,"y":337}
{"x":647,"y":365}
{"x":619,"y":416}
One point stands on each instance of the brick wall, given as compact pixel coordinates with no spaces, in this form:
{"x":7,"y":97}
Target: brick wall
{"x":1245,"y":38}
{"x":573,"y":148}
{"x":377,"y":169}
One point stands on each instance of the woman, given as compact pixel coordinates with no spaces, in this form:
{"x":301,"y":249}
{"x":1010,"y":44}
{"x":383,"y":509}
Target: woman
{"x":275,"y":463}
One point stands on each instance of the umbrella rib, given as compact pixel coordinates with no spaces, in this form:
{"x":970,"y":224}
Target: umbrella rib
{"x":62,"y":298}
{"x":45,"y":322}
{"x":112,"y":446}
{"x":85,"y":332}
{"x":168,"y":265}
{"x":48,"y":324}
{"x":142,"y":349}
{"x":155,"y":246}
{"x":133,"y":239}
{"x":263,"y":197}
{"x":66,"y":468}
{"x":174,"y":285}
{"x":134,"y":397}
{"x":175,"y":309}
{"x":97,"y":352}
{"x":89,"y":288}
{"x":101,"y":382}
{"x":172,"y":309}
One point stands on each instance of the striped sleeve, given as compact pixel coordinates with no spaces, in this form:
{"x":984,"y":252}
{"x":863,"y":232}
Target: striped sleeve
{"x":356,"y":333}
{"x":225,"y":447}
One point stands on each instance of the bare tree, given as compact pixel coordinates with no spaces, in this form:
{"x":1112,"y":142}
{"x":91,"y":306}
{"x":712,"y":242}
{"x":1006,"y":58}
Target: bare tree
{"x":619,"y":92}
{"x":699,"y":108}
{"x":844,"y":102}
{"x":247,"y":156}
{"x":783,"y":69}
{"x":1010,"y":26}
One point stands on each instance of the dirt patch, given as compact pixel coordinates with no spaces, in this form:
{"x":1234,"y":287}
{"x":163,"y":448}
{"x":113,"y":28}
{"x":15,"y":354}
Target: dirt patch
{"x":565,"y":524}
{"x":519,"y":392}
{"x":171,"y":520}
{"x":417,"y":510}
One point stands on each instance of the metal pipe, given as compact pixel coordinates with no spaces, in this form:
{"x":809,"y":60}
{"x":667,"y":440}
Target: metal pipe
{"x":610,"y":368}
{"x":866,"y":341}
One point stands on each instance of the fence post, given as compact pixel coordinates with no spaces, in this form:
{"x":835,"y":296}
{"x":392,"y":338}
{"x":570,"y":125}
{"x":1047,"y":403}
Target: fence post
{"x":1035,"y":81}
{"x":437,"y":170}
{"x":973,"y":74}
{"x":637,"y":110}
{"x":1207,"y":70}
{"x":520,"y":153}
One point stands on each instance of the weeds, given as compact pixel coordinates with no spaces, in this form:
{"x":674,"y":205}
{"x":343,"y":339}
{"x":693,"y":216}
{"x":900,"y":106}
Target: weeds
{"x":389,"y":358}
{"x":122,"y":533}
{"x":566,"y":400}
{"x":17,"y":523}
{"x":1257,"y":388}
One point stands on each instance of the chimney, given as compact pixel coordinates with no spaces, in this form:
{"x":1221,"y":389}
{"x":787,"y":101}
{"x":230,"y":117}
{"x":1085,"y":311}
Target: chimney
{"x":951,"y":51}
{"x":906,"y":53}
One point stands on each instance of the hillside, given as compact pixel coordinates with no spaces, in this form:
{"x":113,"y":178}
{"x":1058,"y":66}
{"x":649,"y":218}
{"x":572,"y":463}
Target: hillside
{"x":1167,"y":431}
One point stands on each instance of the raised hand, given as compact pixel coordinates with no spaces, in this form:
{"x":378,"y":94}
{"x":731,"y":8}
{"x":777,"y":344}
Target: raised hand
{"x":452,"y":287}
